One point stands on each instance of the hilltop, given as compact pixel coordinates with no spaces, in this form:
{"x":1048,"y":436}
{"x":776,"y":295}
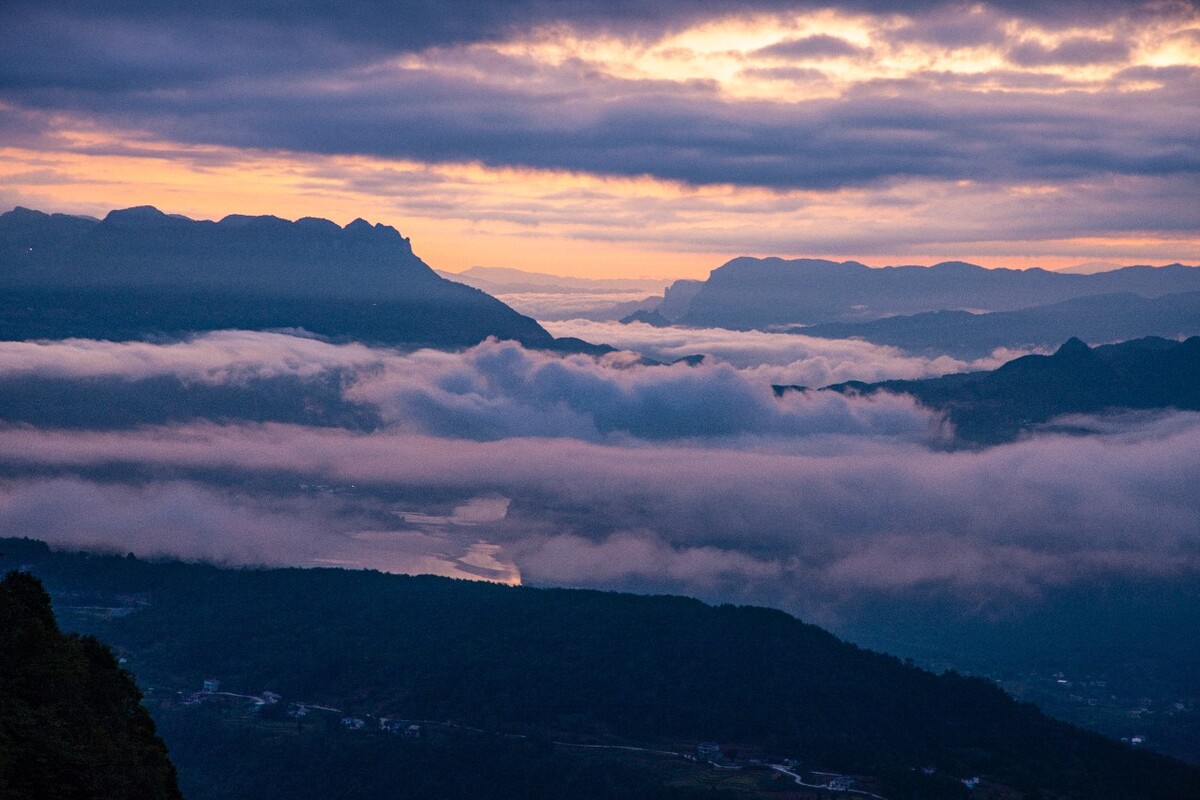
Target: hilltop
{"x":995,"y":406}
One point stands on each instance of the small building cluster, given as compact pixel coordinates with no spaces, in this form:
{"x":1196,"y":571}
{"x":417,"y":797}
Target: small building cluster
{"x":840,"y":783}
{"x":403,"y":727}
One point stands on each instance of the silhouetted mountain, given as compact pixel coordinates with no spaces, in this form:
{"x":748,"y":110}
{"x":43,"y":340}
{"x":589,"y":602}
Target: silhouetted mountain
{"x":1097,"y":319}
{"x":761,"y":293}
{"x":677,"y":298}
{"x":141,"y":272}
{"x":596,"y":664}
{"x":995,"y":406}
{"x":653,"y":318}
{"x":71,"y":721}
{"x":573,"y":344}
{"x":1089,"y":268}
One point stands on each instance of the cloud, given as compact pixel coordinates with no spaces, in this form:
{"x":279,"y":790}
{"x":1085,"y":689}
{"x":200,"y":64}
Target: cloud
{"x":810,"y":47}
{"x":219,"y":525}
{"x":219,"y":357}
{"x":632,"y":559}
{"x":141,"y":34}
{"x":571,"y":119}
{"x":506,"y":464}
{"x":544,"y":306}
{"x":957,"y":26}
{"x":803,"y":524}
{"x":777,"y":358}
{"x":501,"y":390}
{"x":475,"y":511}
{"x":1076,"y":51}
{"x":475,"y":86}
{"x":491,"y":391}
{"x":175,"y":518}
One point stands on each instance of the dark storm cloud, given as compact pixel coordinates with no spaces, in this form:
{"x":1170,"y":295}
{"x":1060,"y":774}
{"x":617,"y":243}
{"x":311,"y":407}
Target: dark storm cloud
{"x":417,"y":24}
{"x":316,"y":78}
{"x":1072,"y":52}
{"x":1174,"y":74}
{"x":957,"y":26}
{"x":115,"y":54}
{"x":820,"y":46}
{"x":565,"y":118}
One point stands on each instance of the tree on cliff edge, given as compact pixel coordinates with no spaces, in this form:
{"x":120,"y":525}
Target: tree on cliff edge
{"x":71,"y":720}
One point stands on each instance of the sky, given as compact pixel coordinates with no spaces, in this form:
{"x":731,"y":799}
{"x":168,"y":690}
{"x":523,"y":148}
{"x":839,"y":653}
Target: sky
{"x":626,"y":139}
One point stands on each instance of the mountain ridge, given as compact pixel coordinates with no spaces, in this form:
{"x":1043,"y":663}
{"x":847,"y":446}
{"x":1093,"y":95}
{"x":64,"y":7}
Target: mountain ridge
{"x":990,"y":407}
{"x":1099,"y":319}
{"x":141,"y":272}
{"x":750,"y":292}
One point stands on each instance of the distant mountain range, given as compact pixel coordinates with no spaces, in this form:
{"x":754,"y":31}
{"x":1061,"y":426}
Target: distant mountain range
{"x":748,"y":293}
{"x":140,"y":272}
{"x":995,"y":406}
{"x":590,"y":666}
{"x":654,"y":319}
{"x":503,"y":280}
{"x":559,"y":297}
{"x":1099,"y":319}
{"x":1089,"y":268}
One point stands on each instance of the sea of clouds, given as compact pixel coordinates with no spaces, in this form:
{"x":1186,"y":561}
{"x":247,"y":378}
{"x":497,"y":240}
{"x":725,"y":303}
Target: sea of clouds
{"x":780,"y":358}
{"x":514,"y":465}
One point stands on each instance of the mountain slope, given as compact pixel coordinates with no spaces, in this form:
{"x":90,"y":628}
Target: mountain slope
{"x":1099,"y":319}
{"x":760,"y":293}
{"x":71,"y":723}
{"x":141,"y":272}
{"x":995,"y":406}
{"x":588,"y":663}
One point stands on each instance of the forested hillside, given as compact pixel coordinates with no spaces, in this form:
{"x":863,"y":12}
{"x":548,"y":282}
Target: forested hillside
{"x":71,"y":722}
{"x":582,"y":663}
